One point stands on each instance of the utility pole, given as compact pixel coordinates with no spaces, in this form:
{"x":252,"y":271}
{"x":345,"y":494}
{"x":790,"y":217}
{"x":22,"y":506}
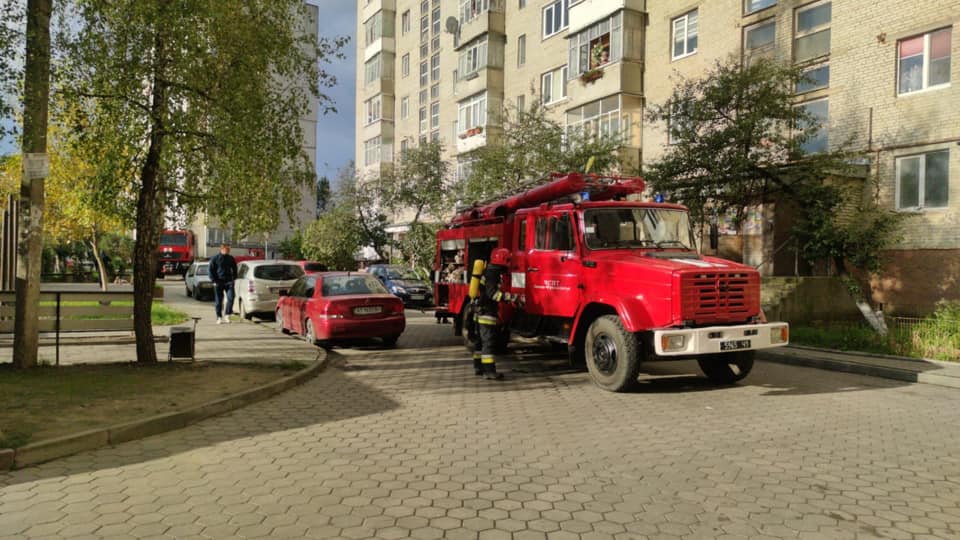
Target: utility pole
{"x":36,"y":92}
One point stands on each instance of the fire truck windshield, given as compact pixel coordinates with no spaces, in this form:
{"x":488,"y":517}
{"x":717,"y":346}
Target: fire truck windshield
{"x":617,"y":228}
{"x":173,"y":240}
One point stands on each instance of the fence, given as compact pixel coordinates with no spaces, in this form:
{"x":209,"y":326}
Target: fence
{"x":934,"y":338}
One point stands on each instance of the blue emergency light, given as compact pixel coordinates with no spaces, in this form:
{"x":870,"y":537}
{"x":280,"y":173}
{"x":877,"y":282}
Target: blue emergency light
{"x":585,"y":196}
{"x":658,"y":198}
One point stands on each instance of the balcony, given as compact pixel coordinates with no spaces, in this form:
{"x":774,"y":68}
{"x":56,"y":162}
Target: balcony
{"x":621,"y":77}
{"x":478,"y":17}
{"x":588,"y":12}
{"x":478,"y":137}
{"x":483,"y":79}
{"x":374,"y":6}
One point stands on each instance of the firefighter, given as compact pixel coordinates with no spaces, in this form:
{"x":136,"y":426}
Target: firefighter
{"x":487,"y":313}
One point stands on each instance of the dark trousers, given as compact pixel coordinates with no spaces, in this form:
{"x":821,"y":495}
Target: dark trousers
{"x":483,"y":359}
{"x":219,"y":289}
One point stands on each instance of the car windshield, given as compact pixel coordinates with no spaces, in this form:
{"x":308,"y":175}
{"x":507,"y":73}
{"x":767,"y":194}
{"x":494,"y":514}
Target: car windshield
{"x":277,"y":272}
{"x":173,"y":240}
{"x":401,"y":273}
{"x":202,"y":270}
{"x":613,"y":228}
{"x":315,"y":267}
{"x":351,"y":284}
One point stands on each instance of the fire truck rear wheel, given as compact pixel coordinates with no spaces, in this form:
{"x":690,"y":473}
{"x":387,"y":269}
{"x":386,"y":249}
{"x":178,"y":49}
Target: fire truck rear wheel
{"x":612,"y":354}
{"x":727,"y":368}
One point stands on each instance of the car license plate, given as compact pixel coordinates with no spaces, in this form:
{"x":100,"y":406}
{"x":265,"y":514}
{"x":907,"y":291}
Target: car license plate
{"x":417,"y":297}
{"x":368,"y":310}
{"x":277,"y":289}
{"x":735,"y":345}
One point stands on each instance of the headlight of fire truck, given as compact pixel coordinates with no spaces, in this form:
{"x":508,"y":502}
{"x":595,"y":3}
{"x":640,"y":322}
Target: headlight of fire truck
{"x":779,"y":334}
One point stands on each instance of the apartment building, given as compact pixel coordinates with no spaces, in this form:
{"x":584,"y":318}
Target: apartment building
{"x":882,"y":79}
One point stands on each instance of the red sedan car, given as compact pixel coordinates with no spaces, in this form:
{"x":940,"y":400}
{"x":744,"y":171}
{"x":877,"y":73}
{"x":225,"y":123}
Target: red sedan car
{"x":331,"y":306}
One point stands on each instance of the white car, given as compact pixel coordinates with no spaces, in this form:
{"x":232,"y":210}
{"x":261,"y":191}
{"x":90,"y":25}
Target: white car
{"x":197,"y":281}
{"x":259,"y":284}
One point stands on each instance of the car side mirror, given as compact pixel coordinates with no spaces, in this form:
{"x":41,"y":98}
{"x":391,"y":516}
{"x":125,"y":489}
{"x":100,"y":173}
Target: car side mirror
{"x":714,"y":236}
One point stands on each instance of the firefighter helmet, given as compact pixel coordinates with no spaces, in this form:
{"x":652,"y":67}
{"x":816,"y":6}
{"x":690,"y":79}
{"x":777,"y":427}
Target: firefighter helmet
{"x":500,"y":257}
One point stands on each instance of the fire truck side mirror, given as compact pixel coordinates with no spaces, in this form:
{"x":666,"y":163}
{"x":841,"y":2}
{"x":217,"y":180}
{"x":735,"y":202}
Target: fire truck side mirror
{"x":714,"y":236}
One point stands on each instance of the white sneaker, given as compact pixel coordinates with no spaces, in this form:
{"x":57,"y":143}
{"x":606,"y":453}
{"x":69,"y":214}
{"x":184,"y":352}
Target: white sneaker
{"x":226,"y":320}
{"x":219,"y":320}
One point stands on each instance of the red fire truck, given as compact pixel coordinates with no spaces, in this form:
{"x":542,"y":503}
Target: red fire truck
{"x":176,"y":252}
{"x":618,"y":282}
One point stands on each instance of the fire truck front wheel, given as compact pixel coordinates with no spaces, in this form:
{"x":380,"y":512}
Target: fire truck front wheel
{"x":612,"y":354}
{"x":727,"y":368}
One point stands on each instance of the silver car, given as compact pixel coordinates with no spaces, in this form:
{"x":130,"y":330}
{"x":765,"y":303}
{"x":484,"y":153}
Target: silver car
{"x":197,"y":281}
{"x":259,"y":283}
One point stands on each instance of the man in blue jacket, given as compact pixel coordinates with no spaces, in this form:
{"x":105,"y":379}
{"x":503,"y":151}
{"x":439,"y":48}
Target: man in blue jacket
{"x":223,"y":270}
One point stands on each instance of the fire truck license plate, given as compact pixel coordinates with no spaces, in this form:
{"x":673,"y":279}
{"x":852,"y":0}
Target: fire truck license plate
{"x":735,"y":345}
{"x":367,"y":310}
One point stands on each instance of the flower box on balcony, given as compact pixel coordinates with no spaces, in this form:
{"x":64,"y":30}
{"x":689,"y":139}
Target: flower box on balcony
{"x":471,"y":132}
{"x":590,"y":76}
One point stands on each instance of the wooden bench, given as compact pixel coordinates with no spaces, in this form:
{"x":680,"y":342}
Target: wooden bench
{"x":73,"y":312}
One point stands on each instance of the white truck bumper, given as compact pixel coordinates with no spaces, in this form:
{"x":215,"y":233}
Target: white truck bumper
{"x":720,"y":339}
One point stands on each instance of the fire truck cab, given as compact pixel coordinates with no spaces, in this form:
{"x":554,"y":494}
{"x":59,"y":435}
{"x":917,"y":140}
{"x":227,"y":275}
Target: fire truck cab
{"x":619,"y":282}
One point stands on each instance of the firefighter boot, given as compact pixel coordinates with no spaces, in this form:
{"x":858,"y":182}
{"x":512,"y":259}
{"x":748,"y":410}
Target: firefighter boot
{"x":490,"y":369}
{"x":477,"y":365}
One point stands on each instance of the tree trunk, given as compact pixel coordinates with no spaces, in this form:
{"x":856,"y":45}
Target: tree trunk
{"x":874,"y":318}
{"x":98,"y":259}
{"x":36,"y":93}
{"x":149,"y":218}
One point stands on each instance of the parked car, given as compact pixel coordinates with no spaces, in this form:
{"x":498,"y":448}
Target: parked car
{"x":259,"y":284}
{"x":404,"y":283}
{"x":197,"y":281}
{"x":331,"y":306}
{"x":312,"y":267}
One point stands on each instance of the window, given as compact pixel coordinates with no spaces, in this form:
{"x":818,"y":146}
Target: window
{"x":819,"y":112}
{"x":923,"y":181}
{"x":405,"y":22}
{"x":758,"y":39}
{"x":556,"y":17}
{"x":561,"y":233}
{"x":423,"y":97}
{"x":424,"y":28}
{"x":521,"y":4}
{"x":469,"y":9}
{"x":749,"y":6}
{"x":553,"y":85}
{"x":435,"y":44}
{"x":472,"y":112}
{"x":435,"y":115}
{"x":372,"y":107}
{"x":685,"y":32}
{"x":404,"y":107}
{"x":677,"y":122}
{"x":812,"y":32}
{"x":423,"y":120}
{"x":435,"y":135}
{"x":373,"y":69}
{"x":924,"y":61}
{"x":521,"y":105}
{"x":521,"y":50}
{"x":464,"y":169}
{"x":405,"y":65}
{"x":597,"y":45}
{"x":814,"y":79}
{"x":540,"y":234}
{"x":424,"y":74}
{"x":404,"y":145}
{"x":473,"y":57}
{"x":435,"y":20}
{"x":435,"y":91}
{"x":522,"y":235}
{"x":602,"y":117}
{"x":424,"y":51}
{"x":377,"y":27}
{"x":371,"y":151}
{"x":435,"y":68}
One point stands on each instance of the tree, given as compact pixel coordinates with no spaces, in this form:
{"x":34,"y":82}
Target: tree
{"x":323,"y":195}
{"x":419,"y":245}
{"x":12,"y":37}
{"x":739,"y":140}
{"x":292,"y":247}
{"x":363,"y":200}
{"x":416,"y":182}
{"x":531,"y":147}
{"x":334,"y":239}
{"x":193,"y":104}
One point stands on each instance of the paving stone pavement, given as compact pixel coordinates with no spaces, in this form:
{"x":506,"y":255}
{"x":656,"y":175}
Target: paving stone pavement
{"x":408,"y":443}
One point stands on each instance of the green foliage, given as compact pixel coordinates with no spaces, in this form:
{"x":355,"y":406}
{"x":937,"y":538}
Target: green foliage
{"x":323,"y":194}
{"x":12,"y":39}
{"x":839,"y":336}
{"x":334,"y":239}
{"x":419,"y":245}
{"x":531,"y":147}
{"x":292,"y":247}
{"x":738,"y":143}
{"x":362,"y":198}
{"x":416,"y":182}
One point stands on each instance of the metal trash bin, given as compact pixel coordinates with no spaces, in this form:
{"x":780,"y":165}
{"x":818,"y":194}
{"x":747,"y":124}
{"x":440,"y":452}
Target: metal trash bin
{"x":183,"y":343}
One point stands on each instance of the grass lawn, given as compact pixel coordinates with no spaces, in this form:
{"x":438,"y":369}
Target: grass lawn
{"x":160,"y":314}
{"x":49,"y":402}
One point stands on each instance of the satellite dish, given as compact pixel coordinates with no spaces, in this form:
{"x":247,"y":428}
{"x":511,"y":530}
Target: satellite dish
{"x":452,"y":25}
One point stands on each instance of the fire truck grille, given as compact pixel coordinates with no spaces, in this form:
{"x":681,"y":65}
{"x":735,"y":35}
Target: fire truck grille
{"x":716,"y":297}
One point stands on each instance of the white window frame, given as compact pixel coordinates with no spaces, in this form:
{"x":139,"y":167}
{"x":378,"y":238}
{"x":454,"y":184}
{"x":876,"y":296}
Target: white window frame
{"x":371,"y":150}
{"x":549,"y":10}
{"x":811,"y":69}
{"x":748,"y":11}
{"x":373,"y":28}
{"x":921,"y":182}
{"x":547,"y":82}
{"x":473,"y":58}
{"x":685,"y":19}
{"x":798,"y":35}
{"x":825,"y":126}
{"x":602,"y":123}
{"x":405,"y":22}
{"x":472,"y":112}
{"x":372,"y":69}
{"x":424,"y":120}
{"x":763,"y":48}
{"x":424,"y":73}
{"x":925,"y":73}
{"x":435,"y":68}
{"x":404,"y":107}
{"x":471,"y":9}
{"x":435,"y":115}
{"x":405,"y":65}
{"x":580,"y":54}
{"x":373,"y":109}
{"x":521,"y":50}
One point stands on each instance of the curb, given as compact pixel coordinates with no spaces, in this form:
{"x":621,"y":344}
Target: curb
{"x":39,"y":452}
{"x":859,"y":364}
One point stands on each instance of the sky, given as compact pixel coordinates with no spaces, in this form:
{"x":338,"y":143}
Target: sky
{"x":335,"y":131}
